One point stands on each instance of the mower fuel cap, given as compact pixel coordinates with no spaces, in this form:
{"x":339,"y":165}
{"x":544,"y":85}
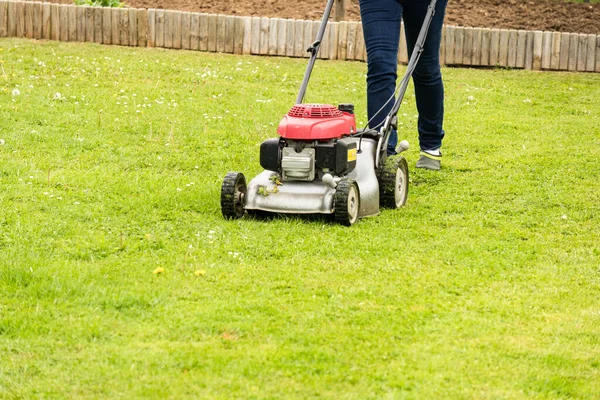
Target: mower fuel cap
{"x":346,"y":107}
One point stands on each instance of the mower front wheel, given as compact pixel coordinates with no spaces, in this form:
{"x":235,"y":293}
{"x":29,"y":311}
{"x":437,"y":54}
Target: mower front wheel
{"x":346,"y":202}
{"x":233,"y":191}
{"x":393,"y":183}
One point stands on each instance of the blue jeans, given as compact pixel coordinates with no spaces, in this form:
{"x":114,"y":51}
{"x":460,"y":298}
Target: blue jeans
{"x":381,"y":27}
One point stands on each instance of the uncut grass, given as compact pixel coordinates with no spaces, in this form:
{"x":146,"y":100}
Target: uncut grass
{"x":485,"y":285}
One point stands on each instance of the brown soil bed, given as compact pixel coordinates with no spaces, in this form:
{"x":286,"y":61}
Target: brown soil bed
{"x":549,"y":15}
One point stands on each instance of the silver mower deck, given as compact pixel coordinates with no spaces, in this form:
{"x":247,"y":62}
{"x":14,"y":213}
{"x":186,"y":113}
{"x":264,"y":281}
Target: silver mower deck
{"x":316,"y":197}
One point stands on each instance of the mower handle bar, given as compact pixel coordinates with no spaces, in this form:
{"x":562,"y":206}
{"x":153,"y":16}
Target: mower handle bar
{"x":314,"y":50}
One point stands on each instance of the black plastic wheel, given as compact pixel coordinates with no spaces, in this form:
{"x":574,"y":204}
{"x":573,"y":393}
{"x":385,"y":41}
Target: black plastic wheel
{"x":393,"y":183}
{"x":233,"y":191}
{"x":346,"y":202}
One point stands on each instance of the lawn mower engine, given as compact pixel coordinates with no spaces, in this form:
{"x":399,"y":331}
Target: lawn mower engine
{"x":314,"y":142}
{"x":313,"y":167}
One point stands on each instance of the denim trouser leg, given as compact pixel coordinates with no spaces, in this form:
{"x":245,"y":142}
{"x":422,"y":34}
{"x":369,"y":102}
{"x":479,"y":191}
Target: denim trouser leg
{"x":381,"y":26}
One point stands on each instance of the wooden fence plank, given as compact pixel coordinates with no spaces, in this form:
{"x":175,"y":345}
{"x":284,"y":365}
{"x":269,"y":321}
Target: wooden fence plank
{"x":591,"y":53}
{"x":255,"y":38}
{"x":333,"y":40}
{"x":20,"y":16}
{"x":477,"y":46}
{"x":64,"y":22}
{"x":494,"y":46}
{"x":546,"y":49}
{"x":177,"y":30}
{"x":360,"y":44}
{"x":90,"y":24}
{"x":169,"y":29}
{"x":115,"y":24}
{"x":124,"y":27}
{"x":133,"y":27}
{"x":28,"y":14}
{"x":598,"y":54}
{"x":555,"y":52}
{"x":11,"y":19}
{"x":194,"y":31}
{"x":573,"y":51}
{"x":142,"y":27}
{"x":151,"y":27}
{"x":28,"y":19}
{"x":281,"y":36}
{"x":402,"y":49}
{"x":213,"y":31}
{"x":538,"y":38}
{"x":247,"y":45}
{"x":582,"y":53}
{"x":343,"y":41}
{"x":272,"y":51}
{"x":298,"y":38}
{"x":3,"y":18}
{"x":315,"y":30}
{"x":442,"y":54}
{"x":238,"y":36}
{"x":98,"y":24}
{"x":565,"y":41}
{"x":72,"y":15}
{"x":485,"y":46}
{"x":186,"y":32}
{"x":449,"y":45}
{"x":106,"y":25}
{"x":290,"y":32}
{"x":351,"y":51}
{"x":221,"y":33}
{"x":203,"y":33}
{"x":46,"y":21}
{"x":324,"y":51}
{"x":229,"y":34}
{"x":264,"y":36}
{"x":55,"y":21}
{"x":521,"y":48}
{"x":468,"y":46}
{"x":459,"y":36}
{"x":159,"y":39}
{"x":503,"y":48}
{"x":308,"y":38}
{"x":38,"y":21}
{"x":81,"y":23}
{"x":529,"y":50}
{"x":512,"y":48}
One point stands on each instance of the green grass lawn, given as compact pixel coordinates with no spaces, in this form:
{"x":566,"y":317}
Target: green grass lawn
{"x":486,"y":285}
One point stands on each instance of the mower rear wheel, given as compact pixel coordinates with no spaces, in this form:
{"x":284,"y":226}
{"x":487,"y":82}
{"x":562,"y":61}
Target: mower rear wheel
{"x":346,"y":202}
{"x":393,"y":183}
{"x":233,"y":191}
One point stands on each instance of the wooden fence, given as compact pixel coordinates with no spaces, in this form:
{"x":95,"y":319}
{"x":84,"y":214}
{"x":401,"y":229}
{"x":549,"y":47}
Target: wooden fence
{"x":286,"y":37}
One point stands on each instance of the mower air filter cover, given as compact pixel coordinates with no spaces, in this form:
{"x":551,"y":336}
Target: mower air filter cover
{"x":316,"y":122}
{"x":270,"y":154}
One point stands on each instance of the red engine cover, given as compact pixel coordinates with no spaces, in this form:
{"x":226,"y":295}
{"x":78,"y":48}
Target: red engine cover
{"x":316,"y":122}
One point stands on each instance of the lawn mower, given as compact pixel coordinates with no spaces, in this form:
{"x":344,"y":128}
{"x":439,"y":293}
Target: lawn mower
{"x":321,"y":163}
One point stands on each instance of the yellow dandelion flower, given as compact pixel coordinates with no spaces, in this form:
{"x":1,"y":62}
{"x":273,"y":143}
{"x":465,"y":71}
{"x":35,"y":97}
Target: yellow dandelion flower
{"x":200,"y":272}
{"x":158,"y":271}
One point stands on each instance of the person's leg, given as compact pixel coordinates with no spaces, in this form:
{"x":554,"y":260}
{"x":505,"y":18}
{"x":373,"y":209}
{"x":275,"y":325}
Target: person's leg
{"x":427,"y":78}
{"x":381,"y":28}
